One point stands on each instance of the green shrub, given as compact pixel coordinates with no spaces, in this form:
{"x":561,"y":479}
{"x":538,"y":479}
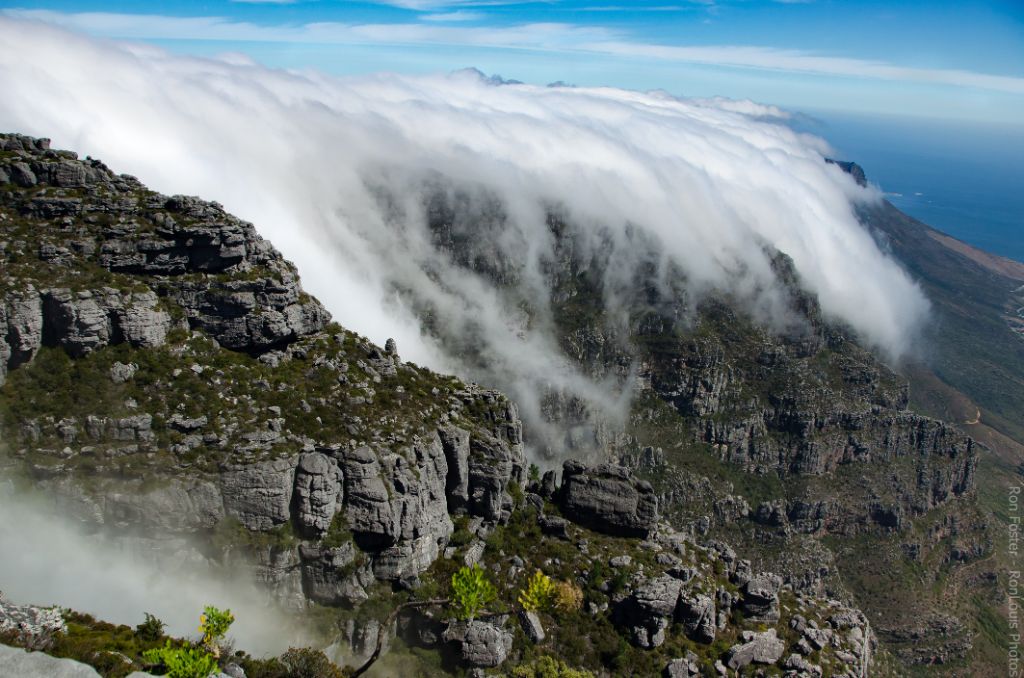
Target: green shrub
{"x":151,"y":629}
{"x":539,"y":593}
{"x":214,"y":624}
{"x":181,"y":662}
{"x":548,"y":667}
{"x":471,"y":591}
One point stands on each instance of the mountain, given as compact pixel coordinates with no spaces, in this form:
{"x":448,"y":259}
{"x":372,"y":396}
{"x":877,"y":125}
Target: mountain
{"x":168,"y":380}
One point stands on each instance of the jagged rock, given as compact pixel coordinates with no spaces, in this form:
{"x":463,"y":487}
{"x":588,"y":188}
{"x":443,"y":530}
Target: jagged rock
{"x":121,"y":372}
{"x":483,"y":644}
{"x":795,"y":662}
{"x":761,"y":648}
{"x":83,"y":321}
{"x":456,"y":451}
{"x":491,"y":466}
{"x":696,"y":612}
{"x":532,"y":626}
{"x":259,"y":495}
{"x":649,"y":610}
{"x":318,"y":493}
{"x":608,"y":499}
{"x":553,"y":526}
{"x":761,"y":598}
{"x":396,"y":506}
{"x":33,"y":626}
{"x":331,"y":576}
{"x":683,"y":667}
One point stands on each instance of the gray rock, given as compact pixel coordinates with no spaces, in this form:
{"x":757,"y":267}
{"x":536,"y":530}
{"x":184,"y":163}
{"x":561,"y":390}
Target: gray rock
{"x":455,"y":442}
{"x":649,"y":610}
{"x":761,"y":648}
{"x":608,"y":499}
{"x":532,"y":626}
{"x":761,"y":598}
{"x":18,"y":663}
{"x":121,"y":372}
{"x":483,"y":644}
{"x":553,"y":526}
{"x":696,"y":612}
{"x":331,"y":576}
{"x":33,"y":626}
{"x":683,"y":667}
{"x":318,"y":493}
{"x":259,"y":495}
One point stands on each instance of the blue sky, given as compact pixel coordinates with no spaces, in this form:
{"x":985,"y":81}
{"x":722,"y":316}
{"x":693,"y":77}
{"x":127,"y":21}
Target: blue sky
{"x":952,"y":60}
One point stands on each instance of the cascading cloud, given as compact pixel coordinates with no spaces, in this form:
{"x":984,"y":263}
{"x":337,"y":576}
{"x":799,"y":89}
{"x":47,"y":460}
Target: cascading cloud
{"x":307,"y":157}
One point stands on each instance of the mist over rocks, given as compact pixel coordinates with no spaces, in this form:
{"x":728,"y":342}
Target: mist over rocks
{"x":354,"y":177}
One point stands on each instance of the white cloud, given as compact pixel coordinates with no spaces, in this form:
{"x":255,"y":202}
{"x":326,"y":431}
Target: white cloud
{"x":459,"y":15}
{"x":334,"y":171}
{"x":547,"y":36}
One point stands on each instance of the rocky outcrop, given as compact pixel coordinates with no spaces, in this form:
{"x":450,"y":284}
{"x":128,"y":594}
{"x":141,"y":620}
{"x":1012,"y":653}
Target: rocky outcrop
{"x":483,"y":644}
{"x":259,"y":496}
{"x":319,"y":493}
{"x":696,"y":612}
{"x":649,"y":610}
{"x":608,"y":499}
{"x":761,"y":598}
{"x":31,"y":626}
{"x":186,"y":253}
{"x":760,"y":648}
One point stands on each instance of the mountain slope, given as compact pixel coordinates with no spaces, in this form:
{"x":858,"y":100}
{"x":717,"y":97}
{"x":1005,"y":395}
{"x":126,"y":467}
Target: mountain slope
{"x":168,"y":382}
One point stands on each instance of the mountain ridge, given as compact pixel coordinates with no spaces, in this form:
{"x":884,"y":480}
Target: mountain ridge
{"x":727,"y":403}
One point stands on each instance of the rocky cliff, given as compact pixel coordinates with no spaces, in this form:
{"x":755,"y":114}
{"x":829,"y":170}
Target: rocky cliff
{"x":167,"y":377}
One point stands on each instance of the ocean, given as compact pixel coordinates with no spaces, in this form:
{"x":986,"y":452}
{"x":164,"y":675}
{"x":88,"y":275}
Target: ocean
{"x":966,"y":180}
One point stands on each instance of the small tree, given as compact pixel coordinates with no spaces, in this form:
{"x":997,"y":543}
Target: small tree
{"x":214,"y":624}
{"x":151,"y":629}
{"x":538,"y":594}
{"x":471,"y":591}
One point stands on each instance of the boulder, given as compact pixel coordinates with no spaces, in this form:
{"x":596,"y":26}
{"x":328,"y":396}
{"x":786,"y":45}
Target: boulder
{"x":18,"y":663}
{"x":760,"y":648}
{"x":482,"y":644}
{"x":532,"y":626}
{"x":696,"y":612}
{"x":761,"y":598}
{"x":608,"y":499}
{"x":648,"y":611}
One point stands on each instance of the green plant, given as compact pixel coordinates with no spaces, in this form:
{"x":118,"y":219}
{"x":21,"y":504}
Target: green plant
{"x":538,"y":594}
{"x":534,"y":473}
{"x":214,"y":624}
{"x":151,"y":629}
{"x":548,"y":667}
{"x":182,"y":662}
{"x":471,"y":591}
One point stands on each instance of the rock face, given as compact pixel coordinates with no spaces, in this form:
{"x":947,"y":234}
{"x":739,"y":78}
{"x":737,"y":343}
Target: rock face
{"x":319,"y":493}
{"x":227,"y":280}
{"x":608,"y":499}
{"x":259,"y":495}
